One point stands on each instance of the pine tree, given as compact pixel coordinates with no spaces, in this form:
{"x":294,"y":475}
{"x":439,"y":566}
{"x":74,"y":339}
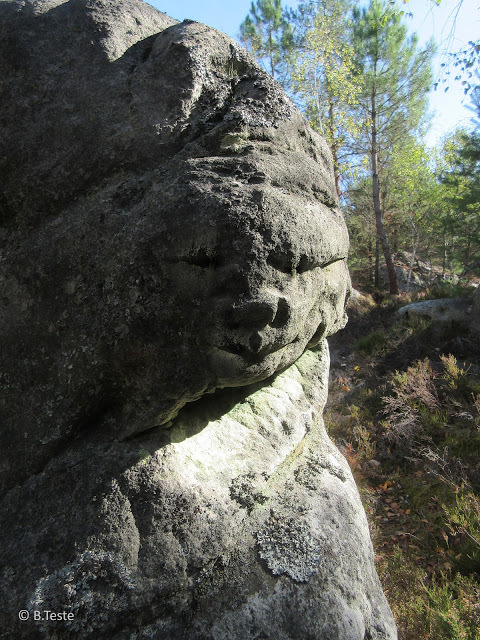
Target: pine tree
{"x":268,"y":35}
{"x":396,"y":80}
{"x":461,"y":178}
{"x":324,"y":77}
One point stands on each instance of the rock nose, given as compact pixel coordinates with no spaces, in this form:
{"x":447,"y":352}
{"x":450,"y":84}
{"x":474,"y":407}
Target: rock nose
{"x":256,"y":314}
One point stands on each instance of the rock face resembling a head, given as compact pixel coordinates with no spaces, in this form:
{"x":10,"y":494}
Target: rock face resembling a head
{"x":170,"y":223}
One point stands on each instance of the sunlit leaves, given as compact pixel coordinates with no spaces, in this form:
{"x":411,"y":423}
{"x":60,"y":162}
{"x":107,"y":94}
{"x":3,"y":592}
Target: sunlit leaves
{"x":325,"y":78}
{"x":267,"y":34}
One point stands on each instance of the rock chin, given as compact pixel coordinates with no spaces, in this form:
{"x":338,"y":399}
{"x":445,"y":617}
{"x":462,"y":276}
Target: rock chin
{"x":242,"y":521}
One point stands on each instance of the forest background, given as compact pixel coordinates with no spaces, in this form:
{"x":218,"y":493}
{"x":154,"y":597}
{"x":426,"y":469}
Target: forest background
{"x":363,"y":82}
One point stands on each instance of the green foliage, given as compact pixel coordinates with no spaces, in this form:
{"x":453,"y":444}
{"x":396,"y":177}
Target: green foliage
{"x":403,"y":583}
{"x":396,"y":78}
{"x":268,"y":35}
{"x":430,"y":209}
{"x":436,"y":408}
{"x":373,"y":343}
{"x":419,"y":423}
{"x":324,"y":77}
{"x":411,"y":408}
{"x":453,"y":609}
{"x":463,"y":518}
{"x":460,"y":175}
{"x":412,"y":199}
{"x":393,"y":69}
{"x":362,"y":82}
{"x":445,"y":289}
{"x":442,"y":609}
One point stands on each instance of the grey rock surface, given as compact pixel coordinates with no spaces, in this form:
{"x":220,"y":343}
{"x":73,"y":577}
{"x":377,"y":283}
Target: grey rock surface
{"x":145,"y":260}
{"x":171,"y":246}
{"x":441,"y":311}
{"x":240,"y":522}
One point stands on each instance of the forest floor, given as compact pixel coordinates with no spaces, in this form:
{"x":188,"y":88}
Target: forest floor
{"x":404,"y":409}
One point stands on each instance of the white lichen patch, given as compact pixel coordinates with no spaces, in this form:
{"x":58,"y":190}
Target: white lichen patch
{"x":289,"y":547}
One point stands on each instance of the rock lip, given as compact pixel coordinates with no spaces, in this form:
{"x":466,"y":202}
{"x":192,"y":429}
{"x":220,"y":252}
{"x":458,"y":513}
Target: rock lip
{"x":242,"y":525}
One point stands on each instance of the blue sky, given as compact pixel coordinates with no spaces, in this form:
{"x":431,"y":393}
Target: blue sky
{"x":225,"y":16}
{"x":452,"y":25}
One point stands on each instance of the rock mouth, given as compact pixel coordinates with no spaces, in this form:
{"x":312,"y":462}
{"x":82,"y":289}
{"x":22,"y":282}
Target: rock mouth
{"x":254,"y":352}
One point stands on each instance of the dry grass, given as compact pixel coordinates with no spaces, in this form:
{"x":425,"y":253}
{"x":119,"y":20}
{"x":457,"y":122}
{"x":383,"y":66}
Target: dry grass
{"x":406,"y":413}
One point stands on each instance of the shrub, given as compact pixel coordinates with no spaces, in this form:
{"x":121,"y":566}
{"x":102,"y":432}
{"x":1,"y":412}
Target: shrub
{"x":453,"y":610}
{"x":373,"y":343}
{"x":463,"y":520}
{"x":412,"y":392}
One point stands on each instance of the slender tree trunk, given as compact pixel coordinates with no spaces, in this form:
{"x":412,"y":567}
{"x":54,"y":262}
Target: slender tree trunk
{"x":382,"y":236}
{"x":468,"y":251}
{"x":394,"y":241}
{"x":377,"y":263}
{"x":444,"y":262}
{"x":333,"y":147}
{"x":370,"y":260}
{"x":415,"y":239}
{"x":270,"y":48}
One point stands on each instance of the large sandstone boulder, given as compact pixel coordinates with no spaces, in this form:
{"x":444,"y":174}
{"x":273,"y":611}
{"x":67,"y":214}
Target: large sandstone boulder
{"x":240,"y":522}
{"x":170,"y":223}
{"x":172,"y":244}
{"x":441,"y":311}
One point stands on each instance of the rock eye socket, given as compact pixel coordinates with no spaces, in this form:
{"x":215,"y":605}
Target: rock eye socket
{"x":306,"y":264}
{"x":202,"y":258}
{"x":290,"y":264}
{"x":287,"y":263}
{"x":282,"y":262}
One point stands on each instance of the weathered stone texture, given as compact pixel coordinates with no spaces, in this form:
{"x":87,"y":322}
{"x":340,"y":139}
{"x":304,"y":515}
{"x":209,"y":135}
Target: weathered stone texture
{"x":146,"y":260}
{"x":238,"y":523}
{"x":171,"y":246}
{"x":441,"y":311}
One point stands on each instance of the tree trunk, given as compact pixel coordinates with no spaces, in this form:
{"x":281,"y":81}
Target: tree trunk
{"x":382,"y":236}
{"x":444,"y":262}
{"x":333,"y":147}
{"x":415,"y":239}
{"x":270,"y":50}
{"x":468,"y":250}
{"x":371,"y":266}
{"x":377,"y":263}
